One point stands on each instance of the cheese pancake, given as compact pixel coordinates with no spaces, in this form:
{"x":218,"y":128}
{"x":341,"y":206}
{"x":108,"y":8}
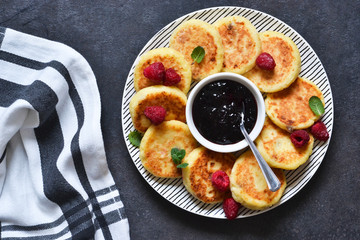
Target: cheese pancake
{"x":248,"y":185}
{"x":197,"y":175}
{"x":170,"y":58}
{"x":170,"y":98}
{"x":156,"y":145}
{"x":241,"y":44}
{"x":193,"y":33}
{"x":287,"y":59}
{"x":289,"y":109}
{"x":275,"y":145}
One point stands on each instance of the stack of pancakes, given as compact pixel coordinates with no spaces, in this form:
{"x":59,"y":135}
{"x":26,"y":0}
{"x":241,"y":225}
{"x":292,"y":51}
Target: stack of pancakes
{"x":232,"y":44}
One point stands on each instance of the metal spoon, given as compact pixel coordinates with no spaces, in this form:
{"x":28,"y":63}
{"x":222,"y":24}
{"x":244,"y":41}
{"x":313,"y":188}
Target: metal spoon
{"x":270,"y":177}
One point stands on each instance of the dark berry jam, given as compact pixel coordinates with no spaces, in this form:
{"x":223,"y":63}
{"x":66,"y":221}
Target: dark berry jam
{"x":216,"y":111}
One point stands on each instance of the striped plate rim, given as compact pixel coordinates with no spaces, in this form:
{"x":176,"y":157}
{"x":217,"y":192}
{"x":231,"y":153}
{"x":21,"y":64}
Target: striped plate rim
{"x":311,"y":68}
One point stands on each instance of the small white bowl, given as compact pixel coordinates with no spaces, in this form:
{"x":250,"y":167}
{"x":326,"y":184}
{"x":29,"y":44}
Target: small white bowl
{"x":260,"y":112}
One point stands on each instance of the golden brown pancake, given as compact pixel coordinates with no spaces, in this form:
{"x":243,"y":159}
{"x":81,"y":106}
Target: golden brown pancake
{"x":197,"y":175}
{"x":241,"y":43}
{"x":170,"y":58}
{"x":193,"y":33}
{"x":289,"y":109}
{"x":156,"y":145}
{"x":170,"y":98}
{"x":275,"y":145}
{"x":248,"y":185}
{"x":287,"y":59}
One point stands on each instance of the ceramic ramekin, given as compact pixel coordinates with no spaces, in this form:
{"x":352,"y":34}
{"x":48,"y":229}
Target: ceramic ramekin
{"x":259,"y":120}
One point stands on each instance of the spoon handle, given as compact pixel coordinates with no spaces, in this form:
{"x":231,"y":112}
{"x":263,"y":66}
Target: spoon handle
{"x":270,"y":177}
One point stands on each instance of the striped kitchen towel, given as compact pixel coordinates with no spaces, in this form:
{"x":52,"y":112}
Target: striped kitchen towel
{"x":54,"y":178}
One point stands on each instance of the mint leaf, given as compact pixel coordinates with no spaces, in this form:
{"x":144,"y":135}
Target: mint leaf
{"x":198,"y":54}
{"x":135,"y":138}
{"x":316,"y":105}
{"x":183,"y":165}
{"x":177,"y":155}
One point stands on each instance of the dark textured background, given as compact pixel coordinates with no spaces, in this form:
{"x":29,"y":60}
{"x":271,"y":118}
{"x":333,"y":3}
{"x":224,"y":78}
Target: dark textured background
{"x":110,"y":34}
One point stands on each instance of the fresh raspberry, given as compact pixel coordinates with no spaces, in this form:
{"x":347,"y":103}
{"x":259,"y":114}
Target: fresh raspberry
{"x":231,"y":208}
{"x":299,"y":138}
{"x":220,"y":180}
{"x":155,"y":72}
{"x":265,"y":61}
{"x":171,"y":77}
{"x":156,"y":114}
{"x":319,"y":131}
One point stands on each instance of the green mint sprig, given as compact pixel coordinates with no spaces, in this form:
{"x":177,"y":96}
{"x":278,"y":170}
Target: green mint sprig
{"x":177,"y":156}
{"x":135,"y":138}
{"x":316,"y":105}
{"x":198,"y":54}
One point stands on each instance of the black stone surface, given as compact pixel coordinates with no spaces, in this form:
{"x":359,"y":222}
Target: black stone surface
{"x":110,"y":34}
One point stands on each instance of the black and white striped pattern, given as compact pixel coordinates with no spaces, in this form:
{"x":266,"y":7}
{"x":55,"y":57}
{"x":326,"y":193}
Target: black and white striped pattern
{"x":311,"y":68}
{"x":54,"y":178}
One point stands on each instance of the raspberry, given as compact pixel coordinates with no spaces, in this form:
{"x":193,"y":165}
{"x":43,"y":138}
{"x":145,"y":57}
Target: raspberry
{"x":155,"y":72}
{"x":231,"y":208}
{"x":156,"y":114}
{"x":265,"y":61}
{"x":220,"y":180}
{"x":171,"y":77}
{"x":319,"y":131}
{"x":299,"y":138}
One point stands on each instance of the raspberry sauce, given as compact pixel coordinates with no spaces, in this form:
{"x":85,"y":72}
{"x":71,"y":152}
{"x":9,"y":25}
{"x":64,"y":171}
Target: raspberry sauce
{"x":216,"y":111}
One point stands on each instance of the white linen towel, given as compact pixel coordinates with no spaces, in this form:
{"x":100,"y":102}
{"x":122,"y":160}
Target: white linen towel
{"x":54,"y":178}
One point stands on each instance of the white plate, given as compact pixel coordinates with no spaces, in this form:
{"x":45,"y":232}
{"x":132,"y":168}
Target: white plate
{"x":311,"y":68}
